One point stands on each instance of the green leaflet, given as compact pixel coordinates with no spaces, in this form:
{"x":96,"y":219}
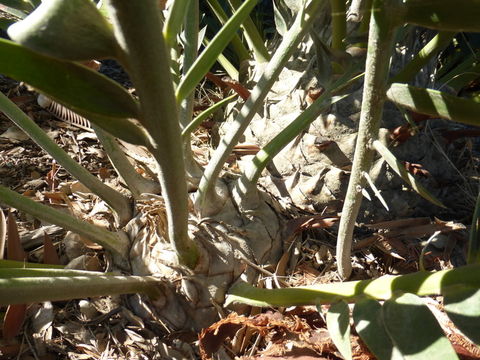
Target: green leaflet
{"x":173,"y":24}
{"x":45,"y":270}
{"x":414,"y":329}
{"x":368,"y":318}
{"x":463,"y":308}
{"x":79,"y":88}
{"x":82,"y":89}
{"x":338,"y":325}
{"x":435,"y":103}
{"x":208,"y":57}
{"x":70,"y":30}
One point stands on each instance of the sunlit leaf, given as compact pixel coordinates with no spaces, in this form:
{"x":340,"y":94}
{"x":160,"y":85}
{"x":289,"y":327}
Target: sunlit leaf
{"x":463,"y":308}
{"x":338,"y":325}
{"x":280,"y":22}
{"x":368,"y":318}
{"x":84,"y":90}
{"x":435,"y":103}
{"x":71,"y":30}
{"x":414,"y":330}
{"x":173,"y":24}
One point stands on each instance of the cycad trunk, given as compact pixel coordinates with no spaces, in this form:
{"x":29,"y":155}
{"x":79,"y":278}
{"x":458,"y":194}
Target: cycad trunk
{"x":194,"y":296}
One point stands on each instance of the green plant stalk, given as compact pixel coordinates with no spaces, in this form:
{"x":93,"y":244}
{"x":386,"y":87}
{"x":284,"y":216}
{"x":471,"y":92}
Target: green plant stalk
{"x":46,"y":270}
{"x":138,"y":30}
{"x":115,"y":242}
{"x":380,"y":43}
{"x":339,"y":23}
{"x":434,"y":46}
{"x":366,"y":6}
{"x":383,"y":288}
{"x":190,"y":50}
{"x":136,"y":183}
{"x":225,"y":63}
{"x":204,"y":115}
{"x":208,"y":57}
{"x":253,"y":37}
{"x":473,"y":256}
{"x":119,"y":203}
{"x":174,"y":21}
{"x":10,"y":264}
{"x":206,"y":196}
{"x":31,"y":290}
{"x":240,"y":49}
